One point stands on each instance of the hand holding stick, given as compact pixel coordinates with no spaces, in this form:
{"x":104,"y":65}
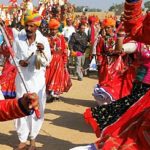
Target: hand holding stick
{"x":40,"y":47}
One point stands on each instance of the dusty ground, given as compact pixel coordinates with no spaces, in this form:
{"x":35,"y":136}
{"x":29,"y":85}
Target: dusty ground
{"x":64,"y":126}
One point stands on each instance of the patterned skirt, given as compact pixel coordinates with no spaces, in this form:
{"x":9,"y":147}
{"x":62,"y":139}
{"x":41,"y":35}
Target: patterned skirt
{"x":102,"y":116}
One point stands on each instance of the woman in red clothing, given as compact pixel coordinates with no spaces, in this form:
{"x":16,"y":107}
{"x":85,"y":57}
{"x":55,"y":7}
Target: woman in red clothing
{"x":131,"y":130}
{"x":102,"y":116}
{"x":115,"y":71}
{"x":57,"y":77}
{"x":7,"y":78}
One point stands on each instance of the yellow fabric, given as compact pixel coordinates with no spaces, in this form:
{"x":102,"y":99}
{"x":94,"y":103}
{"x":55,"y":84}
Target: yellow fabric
{"x":32,"y":17}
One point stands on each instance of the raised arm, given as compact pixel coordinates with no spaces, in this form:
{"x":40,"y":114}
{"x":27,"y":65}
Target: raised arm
{"x":136,"y":25}
{"x":13,"y":108}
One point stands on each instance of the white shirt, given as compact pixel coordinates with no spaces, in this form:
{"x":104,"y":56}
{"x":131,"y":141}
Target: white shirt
{"x":29,"y":6}
{"x":68,"y":31}
{"x":34,"y":79}
{"x":130,"y":47}
{"x":87,"y":31}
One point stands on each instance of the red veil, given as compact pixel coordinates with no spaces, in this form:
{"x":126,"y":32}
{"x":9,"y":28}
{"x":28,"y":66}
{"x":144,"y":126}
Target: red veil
{"x":131,"y":131}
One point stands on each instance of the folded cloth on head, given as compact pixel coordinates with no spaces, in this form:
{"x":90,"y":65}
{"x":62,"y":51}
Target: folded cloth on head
{"x":54,"y":24}
{"x":32,"y":17}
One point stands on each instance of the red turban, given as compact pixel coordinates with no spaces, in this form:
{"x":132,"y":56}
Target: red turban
{"x":92,"y":19}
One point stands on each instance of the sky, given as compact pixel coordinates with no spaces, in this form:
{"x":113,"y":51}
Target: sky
{"x":102,"y":4}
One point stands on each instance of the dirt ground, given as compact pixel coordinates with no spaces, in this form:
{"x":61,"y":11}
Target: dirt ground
{"x":64,"y":126}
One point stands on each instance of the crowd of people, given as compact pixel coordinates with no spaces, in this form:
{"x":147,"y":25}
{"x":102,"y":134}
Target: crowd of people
{"x":39,"y":44}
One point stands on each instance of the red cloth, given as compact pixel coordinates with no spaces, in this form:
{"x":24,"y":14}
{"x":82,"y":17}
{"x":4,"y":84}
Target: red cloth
{"x":100,"y":49}
{"x":135,"y":23}
{"x":90,"y":120}
{"x":10,"y":37}
{"x":9,"y":109}
{"x":57,"y":76}
{"x":115,"y":75}
{"x":131,"y":131}
{"x":12,"y":1}
{"x":92,"y":36}
{"x":120,"y":77}
{"x":7,"y":80}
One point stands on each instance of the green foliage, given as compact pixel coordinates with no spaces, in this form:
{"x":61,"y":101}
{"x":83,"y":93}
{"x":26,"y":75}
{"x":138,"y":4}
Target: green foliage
{"x":117,"y":8}
{"x":80,"y":9}
{"x":112,"y":8}
{"x":147,"y":5}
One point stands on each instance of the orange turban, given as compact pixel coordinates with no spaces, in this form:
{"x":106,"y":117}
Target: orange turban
{"x":54,"y":24}
{"x":32,"y":17}
{"x":109,"y":22}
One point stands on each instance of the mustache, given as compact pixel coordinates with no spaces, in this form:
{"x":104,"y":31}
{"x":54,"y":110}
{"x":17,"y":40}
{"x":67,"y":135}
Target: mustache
{"x":27,"y":31}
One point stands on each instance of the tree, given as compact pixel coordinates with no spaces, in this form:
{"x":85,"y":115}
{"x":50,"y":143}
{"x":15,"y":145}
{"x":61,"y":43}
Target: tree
{"x":117,"y":8}
{"x":147,"y":5}
{"x":112,"y":8}
{"x":81,"y":8}
{"x":94,"y":10}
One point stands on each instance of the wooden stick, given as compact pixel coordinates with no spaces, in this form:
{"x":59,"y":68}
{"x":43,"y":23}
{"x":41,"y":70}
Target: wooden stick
{"x":30,"y":56}
{"x":44,"y":56}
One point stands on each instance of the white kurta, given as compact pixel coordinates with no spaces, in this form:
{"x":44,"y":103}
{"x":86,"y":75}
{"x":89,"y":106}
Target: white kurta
{"x":35,"y":82}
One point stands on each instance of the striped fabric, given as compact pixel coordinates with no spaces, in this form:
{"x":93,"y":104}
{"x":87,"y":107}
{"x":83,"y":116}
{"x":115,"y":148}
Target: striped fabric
{"x":32,"y":17}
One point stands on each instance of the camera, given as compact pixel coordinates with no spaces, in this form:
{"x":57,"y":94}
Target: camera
{"x":85,"y":9}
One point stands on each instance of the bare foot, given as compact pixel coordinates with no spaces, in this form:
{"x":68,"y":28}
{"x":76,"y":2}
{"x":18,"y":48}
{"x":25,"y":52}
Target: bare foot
{"x":21,"y":146}
{"x":32,"y":145}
